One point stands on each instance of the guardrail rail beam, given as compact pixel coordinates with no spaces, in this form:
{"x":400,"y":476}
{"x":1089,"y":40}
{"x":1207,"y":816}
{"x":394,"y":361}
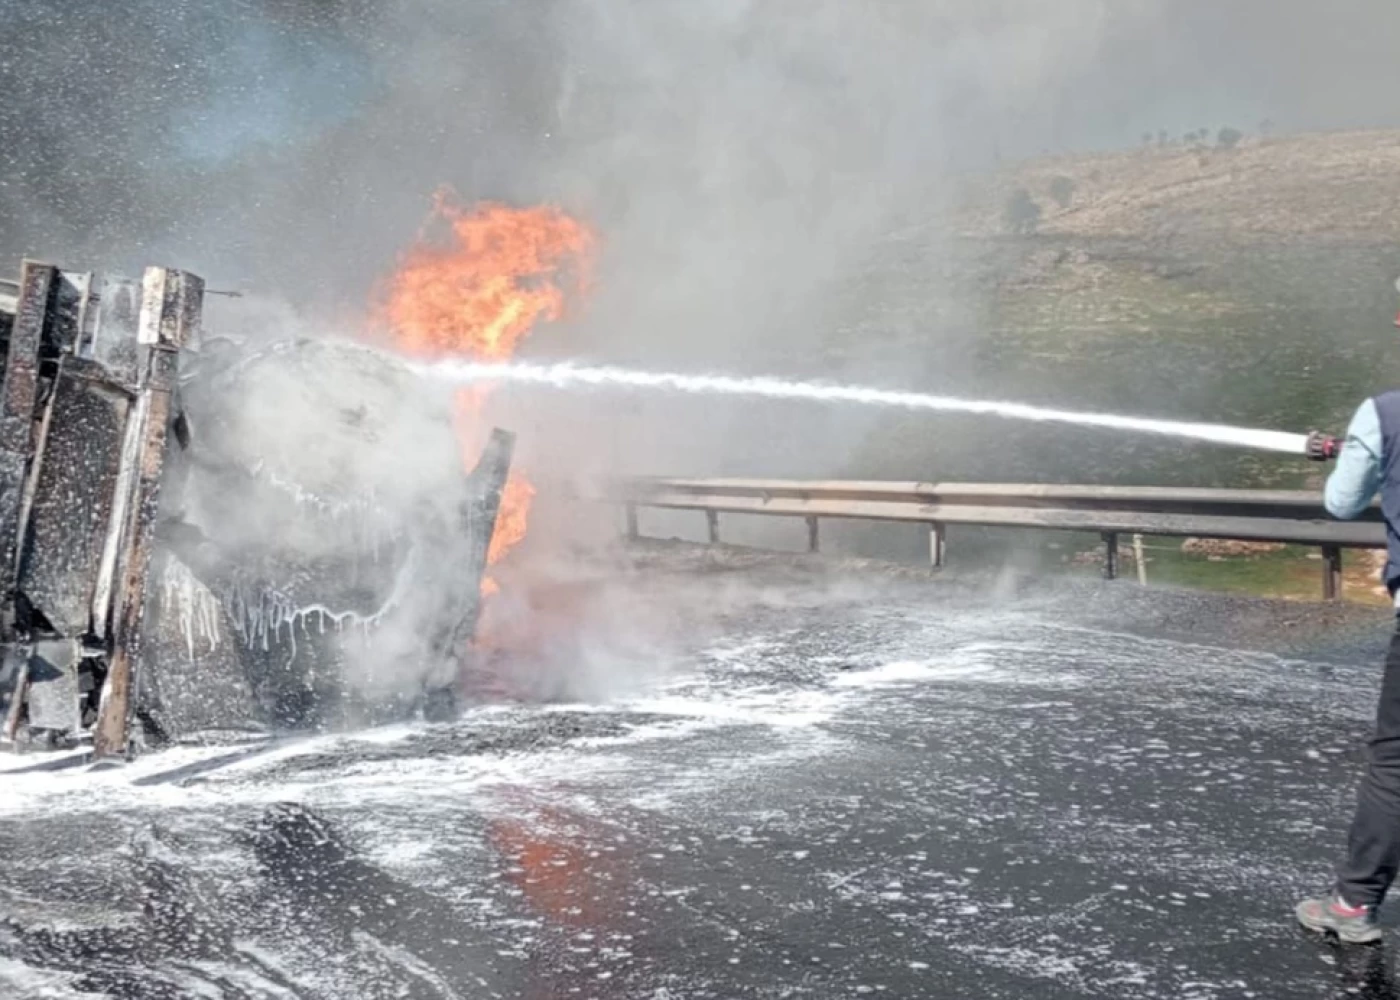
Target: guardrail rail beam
{"x":1294,"y":517}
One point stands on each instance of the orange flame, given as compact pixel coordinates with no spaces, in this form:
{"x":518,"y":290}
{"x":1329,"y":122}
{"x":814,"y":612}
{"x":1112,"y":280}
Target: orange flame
{"x":480,"y":292}
{"x":477,"y":291}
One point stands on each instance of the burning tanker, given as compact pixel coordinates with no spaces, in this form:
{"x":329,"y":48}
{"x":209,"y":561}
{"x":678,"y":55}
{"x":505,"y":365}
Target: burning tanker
{"x":199,"y":532}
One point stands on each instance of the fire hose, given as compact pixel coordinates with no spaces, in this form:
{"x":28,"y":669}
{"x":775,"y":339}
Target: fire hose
{"x":1322,"y":447}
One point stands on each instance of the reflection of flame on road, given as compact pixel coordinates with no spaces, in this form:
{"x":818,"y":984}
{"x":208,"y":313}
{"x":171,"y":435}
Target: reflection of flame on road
{"x":573,"y":873}
{"x":550,"y":873}
{"x":474,"y":285}
{"x":568,"y":878}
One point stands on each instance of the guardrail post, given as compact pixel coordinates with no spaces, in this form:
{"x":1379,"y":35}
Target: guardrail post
{"x":632,"y":533}
{"x":1110,"y":555}
{"x":1331,"y":572}
{"x":712,"y":524}
{"x":1291,"y":517}
{"x":938,"y":544}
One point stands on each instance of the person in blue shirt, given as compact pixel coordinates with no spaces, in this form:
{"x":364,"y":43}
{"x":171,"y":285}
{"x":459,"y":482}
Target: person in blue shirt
{"x":1367,"y":466}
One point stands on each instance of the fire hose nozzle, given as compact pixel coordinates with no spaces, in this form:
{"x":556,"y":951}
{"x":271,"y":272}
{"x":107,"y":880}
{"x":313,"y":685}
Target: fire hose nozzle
{"x":1322,"y":447}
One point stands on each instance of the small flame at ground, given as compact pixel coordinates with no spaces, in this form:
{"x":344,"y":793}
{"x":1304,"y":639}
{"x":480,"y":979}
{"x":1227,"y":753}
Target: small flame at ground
{"x":473,"y":286}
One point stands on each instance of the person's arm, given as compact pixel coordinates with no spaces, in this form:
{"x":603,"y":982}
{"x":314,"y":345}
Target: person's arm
{"x":1357,"y":476}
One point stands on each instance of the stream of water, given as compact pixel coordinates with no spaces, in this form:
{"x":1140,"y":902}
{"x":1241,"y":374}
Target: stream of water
{"x":568,"y":375}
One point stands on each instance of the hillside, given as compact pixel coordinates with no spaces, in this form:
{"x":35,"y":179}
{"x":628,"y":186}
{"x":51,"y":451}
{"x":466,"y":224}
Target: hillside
{"x":1337,"y":186}
{"x":1252,"y":286}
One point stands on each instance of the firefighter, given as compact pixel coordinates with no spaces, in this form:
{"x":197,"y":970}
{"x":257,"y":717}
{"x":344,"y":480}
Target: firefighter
{"x":1368,"y":462}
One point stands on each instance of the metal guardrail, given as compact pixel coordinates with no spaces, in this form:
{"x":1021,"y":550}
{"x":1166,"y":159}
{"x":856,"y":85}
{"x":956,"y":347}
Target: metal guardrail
{"x":1291,"y":516}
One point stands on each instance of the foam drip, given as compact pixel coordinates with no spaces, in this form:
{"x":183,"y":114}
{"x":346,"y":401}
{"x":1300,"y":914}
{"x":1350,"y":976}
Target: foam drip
{"x":195,"y":608}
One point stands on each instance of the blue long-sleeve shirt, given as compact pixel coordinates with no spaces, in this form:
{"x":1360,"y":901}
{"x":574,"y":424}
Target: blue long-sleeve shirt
{"x":1357,"y":476}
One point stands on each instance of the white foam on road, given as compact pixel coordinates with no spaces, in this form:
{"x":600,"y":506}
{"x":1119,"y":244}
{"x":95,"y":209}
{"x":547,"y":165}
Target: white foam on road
{"x":962,"y":665}
{"x":20,"y":980}
{"x":37,"y":758}
{"x":739,"y":743}
{"x":729,"y":690}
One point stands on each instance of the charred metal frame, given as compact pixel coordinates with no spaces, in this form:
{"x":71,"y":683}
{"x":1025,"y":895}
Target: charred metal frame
{"x":91,"y":416}
{"x":87,"y":400}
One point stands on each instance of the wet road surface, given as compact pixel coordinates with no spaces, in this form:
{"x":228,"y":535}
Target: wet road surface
{"x":822,"y":787}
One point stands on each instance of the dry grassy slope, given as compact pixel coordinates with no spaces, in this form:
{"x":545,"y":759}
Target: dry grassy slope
{"x":1251,"y":286}
{"x":1342,"y":186}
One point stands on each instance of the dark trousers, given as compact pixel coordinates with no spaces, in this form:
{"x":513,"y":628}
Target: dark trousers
{"x":1373,"y":848}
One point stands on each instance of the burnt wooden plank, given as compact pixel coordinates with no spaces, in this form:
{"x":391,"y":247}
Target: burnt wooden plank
{"x":123,"y":494}
{"x":18,"y":396}
{"x":458,"y":561}
{"x":487,"y":484}
{"x":68,"y":311}
{"x":170,"y":309}
{"x":14,"y":684}
{"x":68,"y":515}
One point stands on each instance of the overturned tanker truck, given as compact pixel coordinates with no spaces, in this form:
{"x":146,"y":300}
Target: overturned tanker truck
{"x":198,"y":533}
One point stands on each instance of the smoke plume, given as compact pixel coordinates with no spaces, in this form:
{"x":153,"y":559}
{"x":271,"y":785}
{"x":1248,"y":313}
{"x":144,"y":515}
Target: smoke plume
{"x":766,"y":179}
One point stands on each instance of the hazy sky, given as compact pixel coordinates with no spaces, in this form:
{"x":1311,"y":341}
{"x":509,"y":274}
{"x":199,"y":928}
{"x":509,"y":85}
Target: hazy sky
{"x":284,"y":142}
{"x":739,"y":159}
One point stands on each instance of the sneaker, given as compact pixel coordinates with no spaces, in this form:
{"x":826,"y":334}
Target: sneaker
{"x":1330,"y":914}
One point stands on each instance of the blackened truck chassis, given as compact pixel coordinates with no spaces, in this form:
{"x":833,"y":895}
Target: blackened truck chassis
{"x":123,"y":620}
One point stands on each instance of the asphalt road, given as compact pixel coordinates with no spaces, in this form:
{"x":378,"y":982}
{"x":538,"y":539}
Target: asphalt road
{"x":760,"y":780}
